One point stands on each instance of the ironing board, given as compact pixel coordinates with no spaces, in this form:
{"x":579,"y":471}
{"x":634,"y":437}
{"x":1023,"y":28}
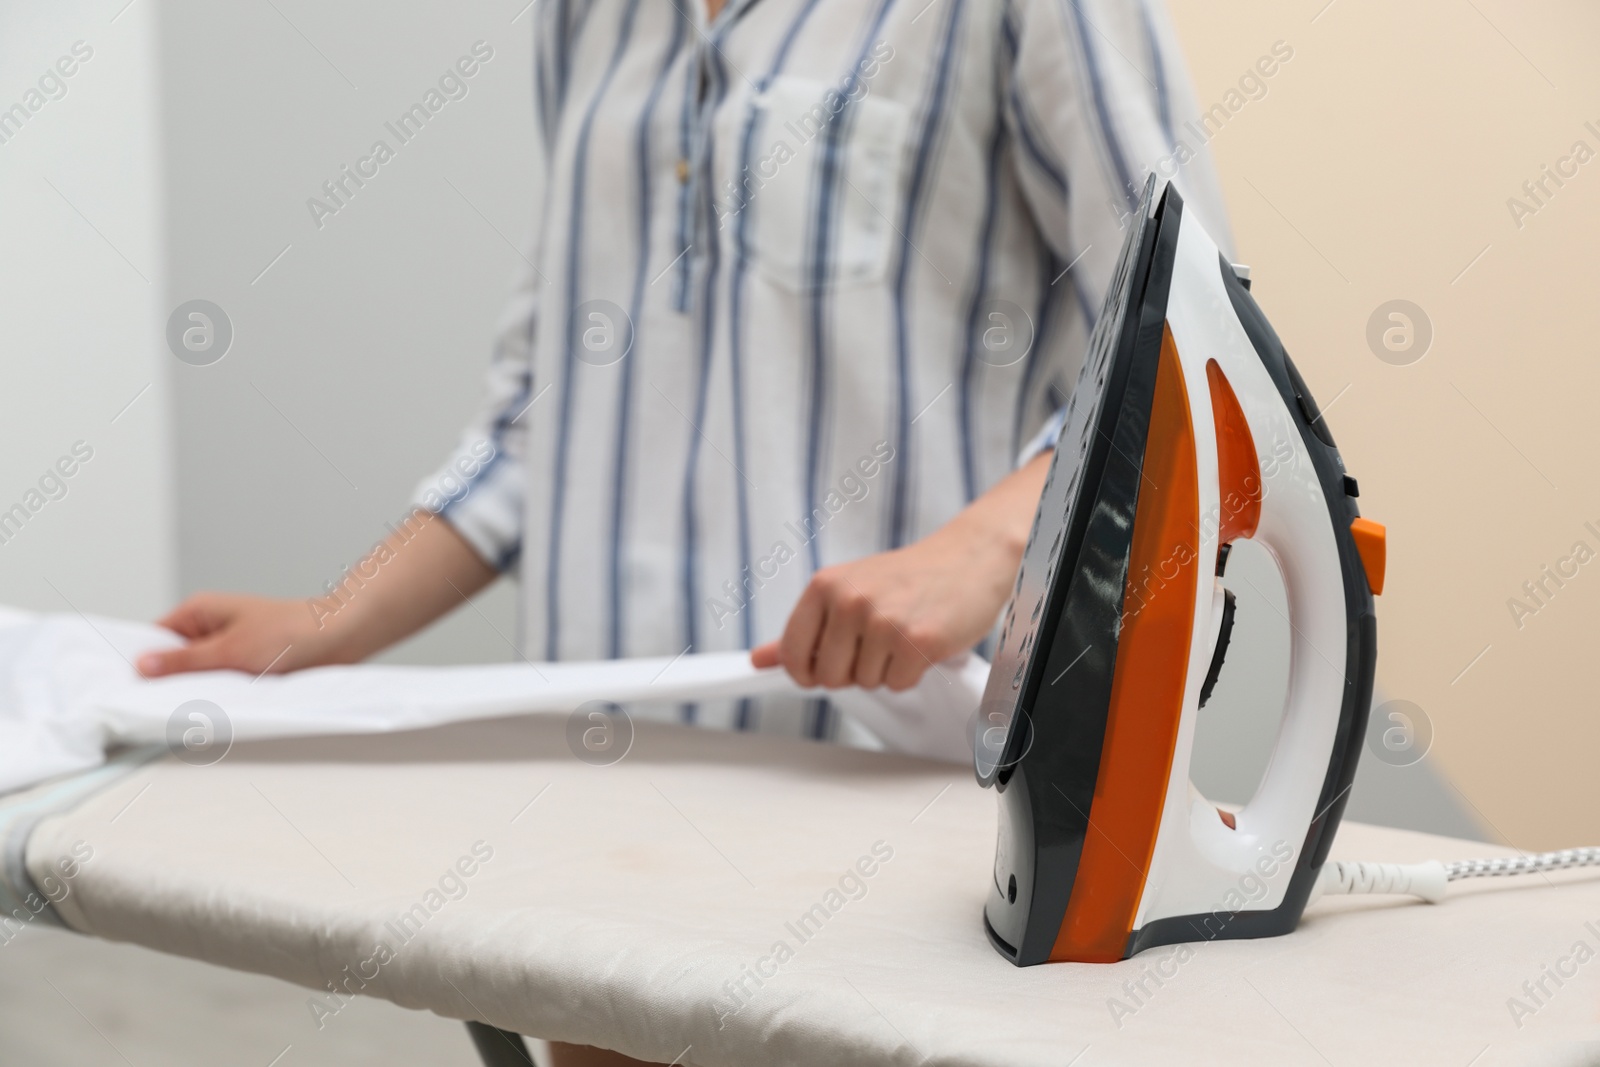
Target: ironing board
{"x":641,"y":906}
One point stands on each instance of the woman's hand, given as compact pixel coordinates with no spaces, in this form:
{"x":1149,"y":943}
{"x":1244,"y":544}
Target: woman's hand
{"x":885,"y":619}
{"x":226,"y":631}
{"x":422,"y":570}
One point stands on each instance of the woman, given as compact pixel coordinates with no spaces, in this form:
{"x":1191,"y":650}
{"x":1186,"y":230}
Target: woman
{"x":813,"y":278}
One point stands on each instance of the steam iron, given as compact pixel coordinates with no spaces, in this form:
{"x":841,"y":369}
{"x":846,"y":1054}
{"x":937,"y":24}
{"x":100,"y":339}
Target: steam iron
{"x":1189,"y":429}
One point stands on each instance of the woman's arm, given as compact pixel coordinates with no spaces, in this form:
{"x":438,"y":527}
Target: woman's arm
{"x":885,"y":619}
{"x":420,"y":572}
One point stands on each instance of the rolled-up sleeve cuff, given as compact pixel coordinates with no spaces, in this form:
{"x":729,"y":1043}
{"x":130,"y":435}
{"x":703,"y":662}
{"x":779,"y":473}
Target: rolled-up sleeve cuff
{"x":1045,"y":439}
{"x":479,"y":492}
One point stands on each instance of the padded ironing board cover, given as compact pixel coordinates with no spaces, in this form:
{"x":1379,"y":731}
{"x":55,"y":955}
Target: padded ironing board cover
{"x":736,"y":900}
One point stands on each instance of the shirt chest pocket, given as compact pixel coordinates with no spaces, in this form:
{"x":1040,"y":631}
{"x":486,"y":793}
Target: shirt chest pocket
{"x":823,"y":191}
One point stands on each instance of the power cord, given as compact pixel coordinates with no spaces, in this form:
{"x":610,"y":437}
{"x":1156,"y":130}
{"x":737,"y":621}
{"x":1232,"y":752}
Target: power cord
{"x":1428,"y":880}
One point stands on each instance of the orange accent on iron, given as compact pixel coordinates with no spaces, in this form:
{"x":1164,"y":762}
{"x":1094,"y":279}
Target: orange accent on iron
{"x":1229,"y":820}
{"x":1147,"y":686}
{"x":1238,"y":470}
{"x":1372,"y":545}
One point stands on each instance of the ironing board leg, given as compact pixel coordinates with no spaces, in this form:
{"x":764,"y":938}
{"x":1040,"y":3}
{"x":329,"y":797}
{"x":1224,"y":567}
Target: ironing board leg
{"x":499,"y":1048}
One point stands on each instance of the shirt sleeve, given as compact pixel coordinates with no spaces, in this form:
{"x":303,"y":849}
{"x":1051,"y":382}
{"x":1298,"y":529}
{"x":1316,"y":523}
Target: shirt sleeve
{"x":481,"y":487}
{"x":1097,"y":98}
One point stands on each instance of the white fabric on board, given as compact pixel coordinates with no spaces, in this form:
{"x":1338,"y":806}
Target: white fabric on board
{"x":68,"y":690}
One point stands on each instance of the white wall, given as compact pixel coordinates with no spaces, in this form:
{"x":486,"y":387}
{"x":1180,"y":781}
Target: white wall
{"x":81,"y":288}
{"x":358,"y":354}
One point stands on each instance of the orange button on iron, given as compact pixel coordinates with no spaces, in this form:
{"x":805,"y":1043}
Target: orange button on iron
{"x":1370,"y":537}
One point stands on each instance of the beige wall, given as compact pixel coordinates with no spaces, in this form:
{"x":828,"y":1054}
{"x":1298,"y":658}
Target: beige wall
{"x":1378,"y":166}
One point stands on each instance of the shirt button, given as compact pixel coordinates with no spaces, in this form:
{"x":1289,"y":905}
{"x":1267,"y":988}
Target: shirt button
{"x":683,"y":170}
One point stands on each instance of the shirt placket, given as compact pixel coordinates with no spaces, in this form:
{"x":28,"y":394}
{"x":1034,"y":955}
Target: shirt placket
{"x":696,"y":165}
{"x":694,"y":120}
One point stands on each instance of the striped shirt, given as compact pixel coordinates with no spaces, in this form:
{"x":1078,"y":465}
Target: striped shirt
{"x":809,"y":278}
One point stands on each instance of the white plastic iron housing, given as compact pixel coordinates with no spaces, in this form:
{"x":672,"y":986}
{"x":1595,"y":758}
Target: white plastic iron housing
{"x":1200,"y":864}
